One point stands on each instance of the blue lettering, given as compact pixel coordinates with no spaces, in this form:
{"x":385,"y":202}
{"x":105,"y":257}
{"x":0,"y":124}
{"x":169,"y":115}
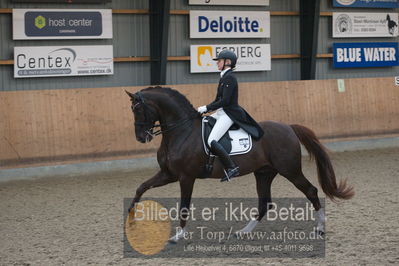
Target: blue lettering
{"x":214,"y":26}
{"x":238,"y":24}
{"x":255,"y":26}
{"x":206,"y":21}
{"x":228,"y":26}
{"x":246,"y":25}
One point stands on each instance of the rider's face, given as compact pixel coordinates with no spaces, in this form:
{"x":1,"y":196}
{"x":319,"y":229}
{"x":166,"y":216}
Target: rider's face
{"x":220,"y":64}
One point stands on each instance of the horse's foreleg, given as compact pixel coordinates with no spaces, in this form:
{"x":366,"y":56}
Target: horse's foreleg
{"x":186,"y":190}
{"x":160,"y":179}
{"x":264,"y":179}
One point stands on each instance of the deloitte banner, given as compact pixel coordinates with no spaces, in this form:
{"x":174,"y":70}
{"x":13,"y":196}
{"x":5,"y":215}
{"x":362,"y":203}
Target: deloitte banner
{"x":62,"y":24}
{"x":251,"y":57}
{"x":367,"y":3}
{"x":229,"y":24}
{"x":51,"y":61}
{"x":349,"y":25}
{"x":378,"y":54}
{"x":230,"y":2}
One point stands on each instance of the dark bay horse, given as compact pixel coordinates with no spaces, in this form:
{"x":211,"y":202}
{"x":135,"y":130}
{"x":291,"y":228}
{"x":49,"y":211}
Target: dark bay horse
{"x":182,"y":158}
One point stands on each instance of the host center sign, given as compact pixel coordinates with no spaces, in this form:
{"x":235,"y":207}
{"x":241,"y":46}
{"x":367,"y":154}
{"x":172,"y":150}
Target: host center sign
{"x":71,"y":22}
{"x":62,"y":24}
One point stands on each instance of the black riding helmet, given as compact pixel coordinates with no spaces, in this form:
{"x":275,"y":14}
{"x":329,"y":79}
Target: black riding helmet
{"x":227,"y":54}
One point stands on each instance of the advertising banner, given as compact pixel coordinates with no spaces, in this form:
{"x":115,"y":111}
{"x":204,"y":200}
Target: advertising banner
{"x":51,"y":61}
{"x":230,"y":2}
{"x":251,"y":57}
{"x":62,"y":24}
{"x":229,"y":24}
{"x":349,"y":25}
{"x":367,"y":3}
{"x":369,"y":54}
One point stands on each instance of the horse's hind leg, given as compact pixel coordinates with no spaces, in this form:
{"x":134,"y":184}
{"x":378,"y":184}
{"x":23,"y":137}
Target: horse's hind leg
{"x":264,"y":178}
{"x":310,"y":191}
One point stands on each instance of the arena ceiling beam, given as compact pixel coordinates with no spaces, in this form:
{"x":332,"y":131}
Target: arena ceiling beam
{"x":309,"y":28}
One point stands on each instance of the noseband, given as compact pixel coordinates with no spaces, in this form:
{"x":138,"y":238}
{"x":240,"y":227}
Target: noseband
{"x":152,"y":124}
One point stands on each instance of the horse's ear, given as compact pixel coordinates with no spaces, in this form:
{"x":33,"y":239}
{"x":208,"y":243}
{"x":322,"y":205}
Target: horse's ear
{"x":131,"y":95}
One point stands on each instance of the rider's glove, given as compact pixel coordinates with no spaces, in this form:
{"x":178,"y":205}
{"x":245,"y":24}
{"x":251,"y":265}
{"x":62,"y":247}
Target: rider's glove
{"x":202,"y":109}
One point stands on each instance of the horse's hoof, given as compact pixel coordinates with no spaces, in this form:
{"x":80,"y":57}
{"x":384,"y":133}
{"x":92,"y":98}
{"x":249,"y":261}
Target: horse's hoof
{"x":172,"y":241}
{"x":239,"y":234}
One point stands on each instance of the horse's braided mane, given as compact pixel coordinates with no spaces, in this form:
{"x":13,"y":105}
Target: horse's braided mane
{"x":174,"y":94}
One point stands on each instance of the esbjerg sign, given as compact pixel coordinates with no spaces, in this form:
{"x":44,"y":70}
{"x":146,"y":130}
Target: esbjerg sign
{"x":62,"y":24}
{"x":229,"y":24}
{"x":251,"y":57}
{"x":230,"y":2}
{"x":51,"y":61}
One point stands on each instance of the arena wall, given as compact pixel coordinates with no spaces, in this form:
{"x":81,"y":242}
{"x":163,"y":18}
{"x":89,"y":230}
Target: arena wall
{"x":70,"y":125}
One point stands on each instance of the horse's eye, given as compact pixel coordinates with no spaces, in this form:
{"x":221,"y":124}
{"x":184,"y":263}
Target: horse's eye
{"x":135,"y":106}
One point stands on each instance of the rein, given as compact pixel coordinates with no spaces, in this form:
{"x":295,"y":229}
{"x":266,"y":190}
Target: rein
{"x":168,"y":127}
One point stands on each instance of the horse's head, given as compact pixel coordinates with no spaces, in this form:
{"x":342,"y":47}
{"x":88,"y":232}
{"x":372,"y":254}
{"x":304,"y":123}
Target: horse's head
{"x":145,"y":116}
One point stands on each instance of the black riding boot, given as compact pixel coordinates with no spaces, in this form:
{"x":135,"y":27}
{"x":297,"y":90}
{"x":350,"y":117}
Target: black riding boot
{"x":231,"y":169}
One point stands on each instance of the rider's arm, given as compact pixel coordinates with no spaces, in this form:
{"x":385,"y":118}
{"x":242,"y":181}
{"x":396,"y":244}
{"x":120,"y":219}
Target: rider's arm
{"x":228,"y":87}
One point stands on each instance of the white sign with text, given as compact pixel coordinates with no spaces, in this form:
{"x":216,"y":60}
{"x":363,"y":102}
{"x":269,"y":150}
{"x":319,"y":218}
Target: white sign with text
{"x":230,"y":2}
{"x":52,"y":61}
{"x":229,"y":24}
{"x":41,"y":24}
{"x":251,"y":57}
{"x":349,"y":25}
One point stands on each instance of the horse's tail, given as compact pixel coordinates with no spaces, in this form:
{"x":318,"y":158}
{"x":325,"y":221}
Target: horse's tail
{"x":325,"y":169}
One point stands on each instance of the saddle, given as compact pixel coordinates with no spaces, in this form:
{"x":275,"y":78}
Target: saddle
{"x":235,"y":141}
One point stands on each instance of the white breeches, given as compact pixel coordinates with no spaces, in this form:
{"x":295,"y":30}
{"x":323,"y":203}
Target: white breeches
{"x":223,"y":123}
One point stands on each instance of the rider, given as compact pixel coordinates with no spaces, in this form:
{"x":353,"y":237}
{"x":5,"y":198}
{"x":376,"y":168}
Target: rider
{"x":228,"y":112}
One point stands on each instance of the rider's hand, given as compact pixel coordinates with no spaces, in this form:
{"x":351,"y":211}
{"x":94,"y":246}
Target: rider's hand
{"x":202,"y":109}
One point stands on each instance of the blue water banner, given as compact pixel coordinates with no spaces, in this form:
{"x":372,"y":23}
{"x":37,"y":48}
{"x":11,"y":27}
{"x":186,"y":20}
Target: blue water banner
{"x":367,"y":3}
{"x":371,"y":54}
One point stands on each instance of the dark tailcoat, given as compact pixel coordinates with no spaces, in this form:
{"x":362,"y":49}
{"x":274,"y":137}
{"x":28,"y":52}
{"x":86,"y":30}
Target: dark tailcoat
{"x":227,"y":98}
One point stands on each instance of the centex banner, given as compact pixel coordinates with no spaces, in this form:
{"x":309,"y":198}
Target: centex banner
{"x":51,"y":61}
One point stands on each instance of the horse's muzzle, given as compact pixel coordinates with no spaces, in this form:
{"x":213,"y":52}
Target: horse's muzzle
{"x":145,"y":139}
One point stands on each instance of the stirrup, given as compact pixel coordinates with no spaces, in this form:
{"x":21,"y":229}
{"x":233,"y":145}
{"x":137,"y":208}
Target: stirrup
{"x":233,"y":172}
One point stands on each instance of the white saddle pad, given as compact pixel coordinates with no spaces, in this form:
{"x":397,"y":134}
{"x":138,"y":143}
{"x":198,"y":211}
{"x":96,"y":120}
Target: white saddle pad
{"x":241,"y":142}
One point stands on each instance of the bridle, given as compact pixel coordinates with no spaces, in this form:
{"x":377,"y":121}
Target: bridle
{"x":163,"y":128}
